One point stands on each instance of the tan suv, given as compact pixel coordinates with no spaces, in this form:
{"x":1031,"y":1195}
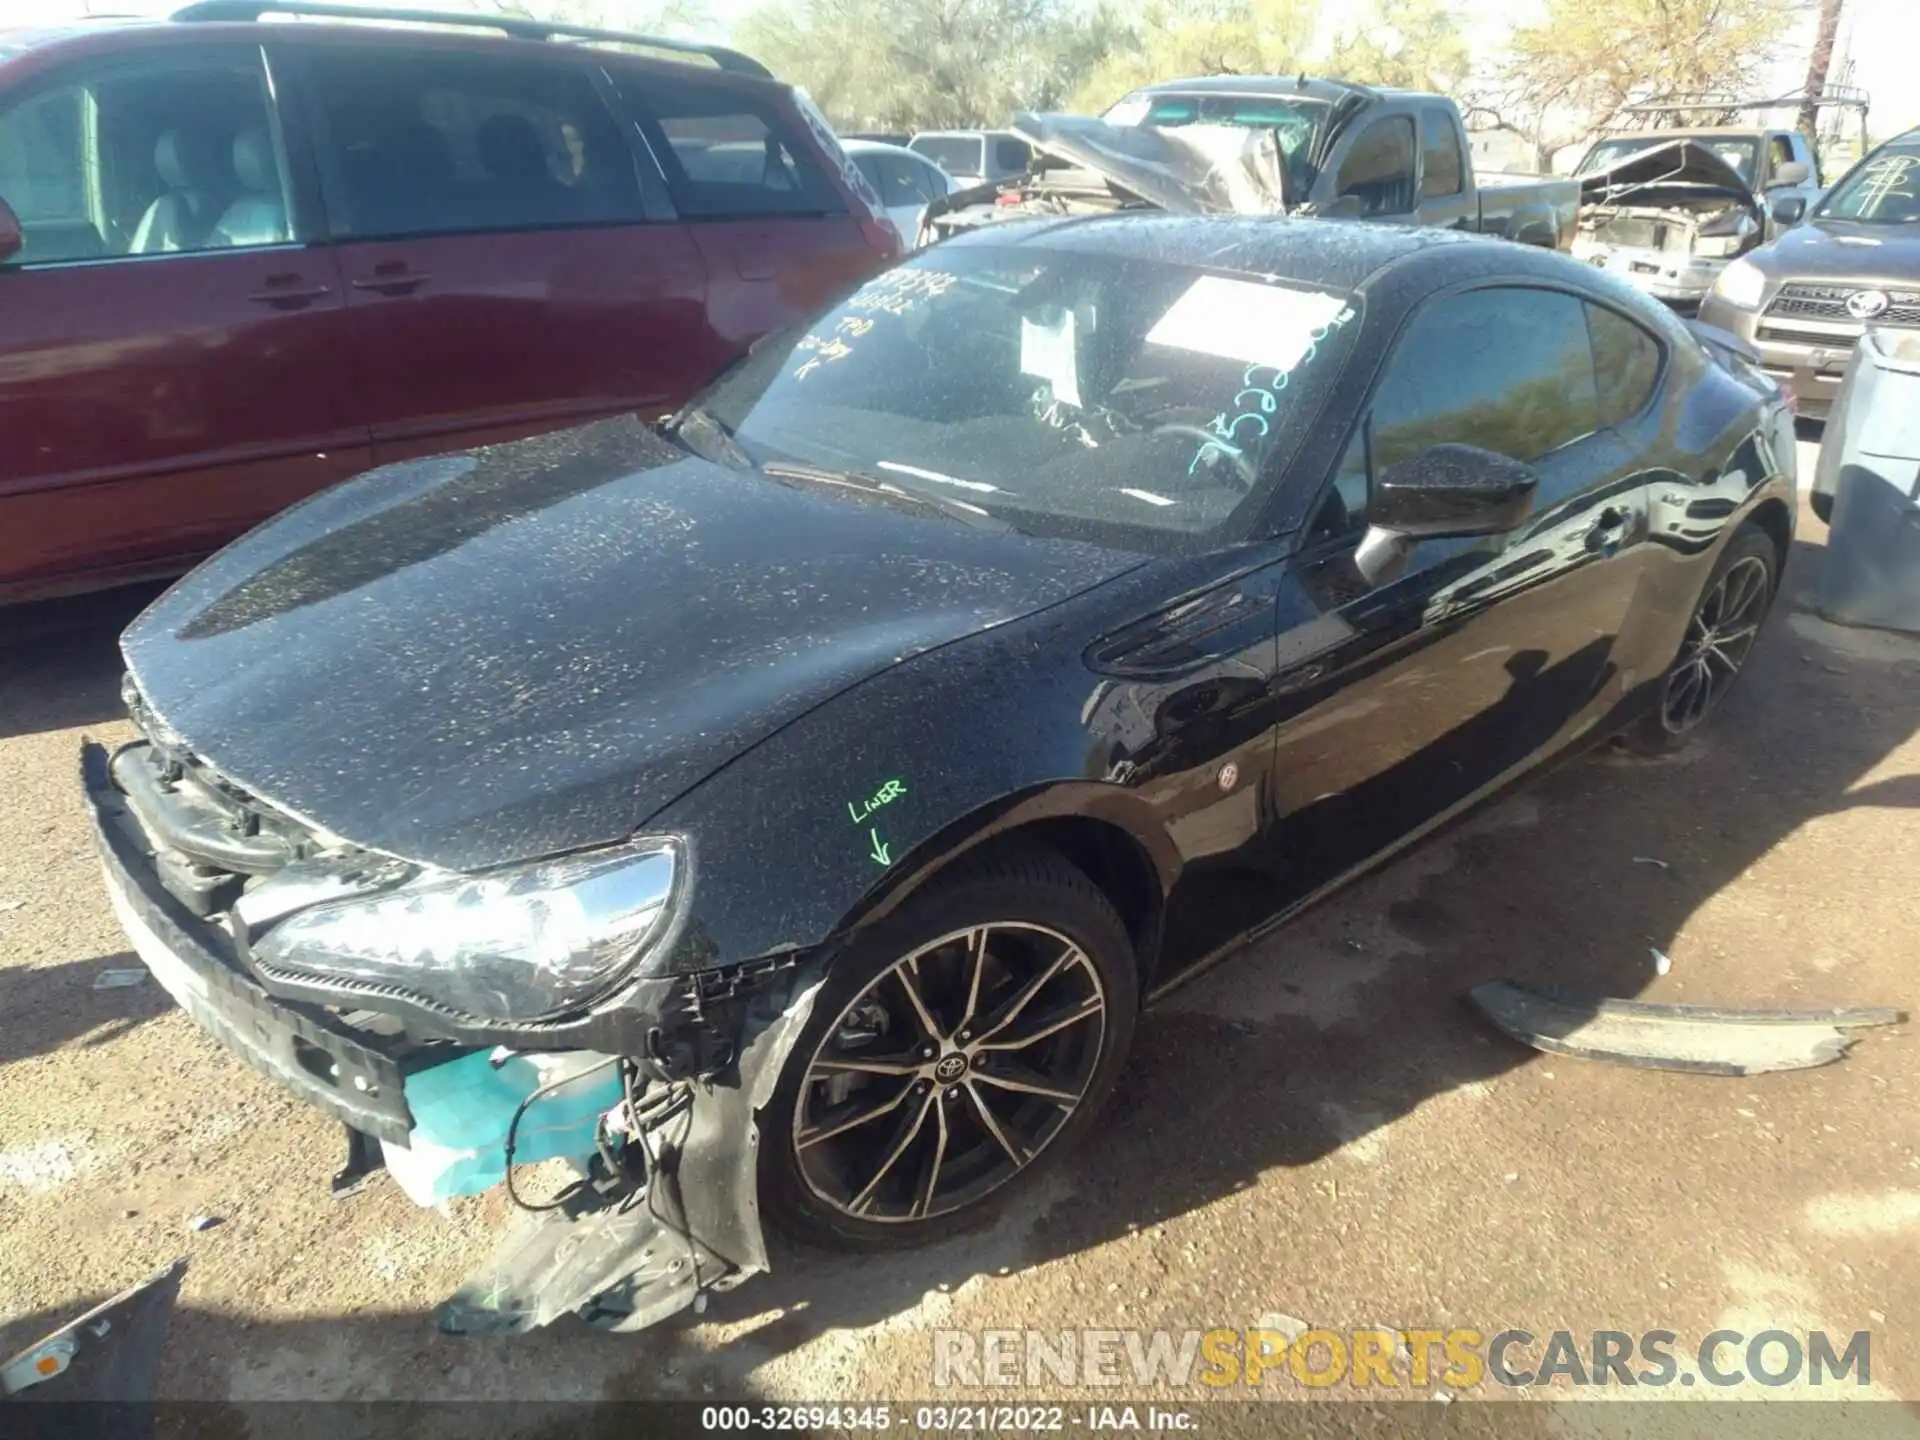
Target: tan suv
{"x":1805,"y":299}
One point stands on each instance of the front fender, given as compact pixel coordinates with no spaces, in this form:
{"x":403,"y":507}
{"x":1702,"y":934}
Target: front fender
{"x":829,"y":824}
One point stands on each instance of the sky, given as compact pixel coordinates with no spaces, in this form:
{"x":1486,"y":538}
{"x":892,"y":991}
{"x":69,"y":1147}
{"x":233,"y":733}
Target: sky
{"x":1883,"y":37}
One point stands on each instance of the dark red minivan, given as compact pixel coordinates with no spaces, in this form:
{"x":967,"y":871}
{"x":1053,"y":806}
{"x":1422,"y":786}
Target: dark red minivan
{"x":244,"y":256}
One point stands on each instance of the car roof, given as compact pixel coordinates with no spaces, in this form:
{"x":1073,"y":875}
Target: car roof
{"x":1683,"y":132}
{"x":40,"y":46}
{"x":18,"y":39}
{"x":1312,"y":87}
{"x":1336,"y":253}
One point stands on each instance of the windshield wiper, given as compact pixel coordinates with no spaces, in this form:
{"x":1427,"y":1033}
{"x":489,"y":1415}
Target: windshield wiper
{"x":873,"y":485}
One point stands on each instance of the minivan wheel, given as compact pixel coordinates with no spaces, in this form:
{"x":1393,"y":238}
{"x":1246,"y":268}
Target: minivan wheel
{"x":1720,"y":636}
{"x":954,"y":1053}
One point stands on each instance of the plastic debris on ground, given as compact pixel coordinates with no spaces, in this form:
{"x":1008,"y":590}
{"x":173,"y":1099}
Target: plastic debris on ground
{"x":1697,"y":1039}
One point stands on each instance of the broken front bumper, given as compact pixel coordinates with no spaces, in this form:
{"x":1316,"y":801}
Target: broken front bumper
{"x":306,"y":1050}
{"x":625,"y":1251}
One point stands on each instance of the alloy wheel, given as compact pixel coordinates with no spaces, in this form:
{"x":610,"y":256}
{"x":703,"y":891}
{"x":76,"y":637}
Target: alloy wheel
{"x":950,"y":1072}
{"x":1719,"y":638}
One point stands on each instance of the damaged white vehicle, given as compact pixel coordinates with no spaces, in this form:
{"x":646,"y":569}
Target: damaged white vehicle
{"x":1667,"y":220}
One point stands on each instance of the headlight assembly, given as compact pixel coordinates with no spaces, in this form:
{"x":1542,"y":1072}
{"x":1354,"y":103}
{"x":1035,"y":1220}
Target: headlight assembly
{"x":514,"y":945}
{"x":1741,"y":284}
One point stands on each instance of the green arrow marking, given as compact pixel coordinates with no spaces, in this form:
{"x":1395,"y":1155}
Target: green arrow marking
{"x":879,"y":851}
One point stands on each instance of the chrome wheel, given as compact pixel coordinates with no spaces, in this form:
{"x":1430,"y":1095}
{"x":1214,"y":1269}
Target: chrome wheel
{"x":1719,"y":638}
{"x":949,"y":1073}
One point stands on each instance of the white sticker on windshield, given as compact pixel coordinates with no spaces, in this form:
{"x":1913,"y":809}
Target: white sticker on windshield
{"x":1245,"y":320}
{"x":1048,"y":352}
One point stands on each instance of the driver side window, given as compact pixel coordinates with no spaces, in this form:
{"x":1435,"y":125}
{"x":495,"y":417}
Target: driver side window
{"x":1507,"y":369}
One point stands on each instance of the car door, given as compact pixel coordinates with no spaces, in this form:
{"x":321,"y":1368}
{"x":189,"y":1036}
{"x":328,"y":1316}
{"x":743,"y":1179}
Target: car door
{"x":174,"y":351}
{"x":505,"y":269}
{"x":1374,"y":167}
{"x":1411,"y":697}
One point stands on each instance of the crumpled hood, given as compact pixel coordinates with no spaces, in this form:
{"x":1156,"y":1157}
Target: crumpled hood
{"x":531,"y":648}
{"x":1663,"y":175}
{"x":1829,"y":249}
{"x":1186,"y":170}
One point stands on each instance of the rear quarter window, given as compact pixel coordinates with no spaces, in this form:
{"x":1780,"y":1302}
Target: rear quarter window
{"x":728,"y":155}
{"x":1626,"y":364}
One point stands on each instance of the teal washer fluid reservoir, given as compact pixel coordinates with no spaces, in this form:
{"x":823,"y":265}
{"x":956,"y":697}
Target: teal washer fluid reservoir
{"x":461,"y":1111}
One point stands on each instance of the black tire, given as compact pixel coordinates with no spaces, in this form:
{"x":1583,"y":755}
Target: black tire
{"x":1661,"y":731}
{"x":1024,"y":896}
{"x":1822,"y":504}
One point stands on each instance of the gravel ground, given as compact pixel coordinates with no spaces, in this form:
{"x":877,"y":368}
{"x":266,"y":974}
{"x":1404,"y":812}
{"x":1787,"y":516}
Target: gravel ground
{"x":1316,"y":1134}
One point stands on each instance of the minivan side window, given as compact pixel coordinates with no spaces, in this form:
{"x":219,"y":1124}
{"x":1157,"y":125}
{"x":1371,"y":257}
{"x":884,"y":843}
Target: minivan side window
{"x":1379,"y":167}
{"x":162,"y":155}
{"x":727,"y":156}
{"x":1442,"y":172}
{"x":1507,"y":369}
{"x":419,"y":143}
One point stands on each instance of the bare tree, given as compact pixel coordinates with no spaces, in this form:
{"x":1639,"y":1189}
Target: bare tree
{"x":1586,"y":61}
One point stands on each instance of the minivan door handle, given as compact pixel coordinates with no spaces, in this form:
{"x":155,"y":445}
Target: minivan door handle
{"x":391,"y":277}
{"x":288,"y":292}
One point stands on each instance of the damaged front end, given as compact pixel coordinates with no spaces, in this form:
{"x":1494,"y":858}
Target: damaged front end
{"x":648,"y":1096}
{"x":1667,"y":220}
{"x":1084,"y":166}
{"x":651,"y":1234}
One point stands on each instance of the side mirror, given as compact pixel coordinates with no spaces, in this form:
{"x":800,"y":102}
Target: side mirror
{"x":11,"y":240}
{"x":1789,"y":209}
{"x":1791,"y":172}
{"x":1445,"y":490}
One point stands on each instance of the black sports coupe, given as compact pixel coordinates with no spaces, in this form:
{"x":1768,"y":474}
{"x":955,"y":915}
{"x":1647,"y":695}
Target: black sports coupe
{"x":787,"y":808}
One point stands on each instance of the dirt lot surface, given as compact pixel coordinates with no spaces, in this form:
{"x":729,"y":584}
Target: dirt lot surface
{"x":1317,"y":1134}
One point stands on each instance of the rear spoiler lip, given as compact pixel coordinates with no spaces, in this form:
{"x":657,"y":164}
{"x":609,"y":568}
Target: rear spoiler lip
{"x":1725,"y":340}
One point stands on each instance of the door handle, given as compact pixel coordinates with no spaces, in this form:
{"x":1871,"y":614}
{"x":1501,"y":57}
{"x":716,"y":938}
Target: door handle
{"x":391,"y":279}
{"x":288,"y":292}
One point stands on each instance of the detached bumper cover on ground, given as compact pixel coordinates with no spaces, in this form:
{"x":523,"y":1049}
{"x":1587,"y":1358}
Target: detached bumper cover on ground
{"x":1702,"y":1039}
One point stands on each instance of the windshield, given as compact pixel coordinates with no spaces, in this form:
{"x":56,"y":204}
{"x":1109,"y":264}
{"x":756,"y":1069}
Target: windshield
{"x":1296,"y":120}
{"x":1130,"y":402}
{"x":1884,"y":190}
{"x":961,"y":155}
{"x":1741,"y":153}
